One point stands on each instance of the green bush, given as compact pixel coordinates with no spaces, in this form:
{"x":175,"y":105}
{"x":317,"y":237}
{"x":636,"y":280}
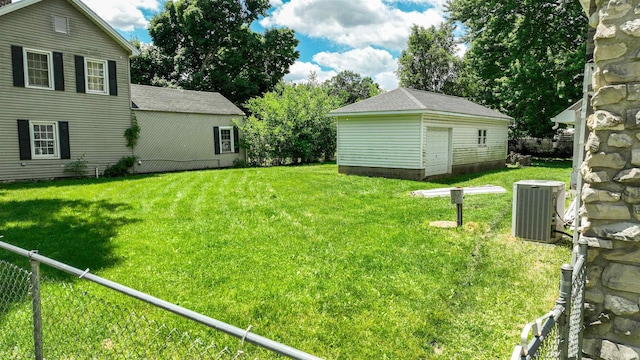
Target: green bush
{"x":78,"y":167}
{"x":290,"y":125}
{"x":121,"y":168}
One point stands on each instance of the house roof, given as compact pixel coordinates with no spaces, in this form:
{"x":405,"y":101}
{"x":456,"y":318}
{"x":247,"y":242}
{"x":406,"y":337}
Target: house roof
{"x":153,"y":98}
{"x":417,"y":101}
{"x":84,"y":9}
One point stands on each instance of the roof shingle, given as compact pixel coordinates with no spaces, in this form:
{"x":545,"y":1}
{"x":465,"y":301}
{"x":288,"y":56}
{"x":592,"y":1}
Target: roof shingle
{"x":155,"y":98}
{"x":402,"y":99}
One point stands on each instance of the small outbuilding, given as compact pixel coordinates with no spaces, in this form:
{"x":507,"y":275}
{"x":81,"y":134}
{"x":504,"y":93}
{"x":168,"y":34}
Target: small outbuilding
{"x":184,"y":130}
{"x":413,"y":134}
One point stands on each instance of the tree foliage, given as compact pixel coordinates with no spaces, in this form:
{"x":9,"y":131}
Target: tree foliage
{"x":152,"y":67}
{"x":208,"y":45}
{"x":525,"y":59}
{"x":351,"y":87}
{"x":290,"y":125}
{"x":429,"y":61}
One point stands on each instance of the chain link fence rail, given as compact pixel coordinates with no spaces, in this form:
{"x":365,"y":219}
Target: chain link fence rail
{"x":558,"y":334}
{"x":45,"y":318}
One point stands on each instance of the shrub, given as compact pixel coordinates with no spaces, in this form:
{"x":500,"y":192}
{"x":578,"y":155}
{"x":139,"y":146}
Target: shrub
{"x":290,"y":125}
{"x":78,"y":167}
{"x":132,"y":134}
{"x":121,"y":168}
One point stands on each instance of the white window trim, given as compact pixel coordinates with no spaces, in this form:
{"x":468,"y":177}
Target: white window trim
{"x":56,"y":139}
{"x":230,"y":128}
{"x":49,"y":54}
{"x":106,"y":76}
{"x":482,"y":137}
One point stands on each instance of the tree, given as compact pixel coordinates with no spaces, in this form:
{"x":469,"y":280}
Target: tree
{"x":351,"y":87}
{"x":290,"y":124}
{"x":211,"y":47}
{"x":429,"y":61}
{"x":151,"y":67}
{"x":526,"y":58}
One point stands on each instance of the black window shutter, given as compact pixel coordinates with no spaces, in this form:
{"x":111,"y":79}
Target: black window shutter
{"x":216,"y":139}
{"x":65,"y":150}
{"x":17,"y":60}
{"x":113,"y":79}
{"x":24,"y":140}
{"x":80,"y":84}
{"x":58,"y":71}
{"x":236,"y":142}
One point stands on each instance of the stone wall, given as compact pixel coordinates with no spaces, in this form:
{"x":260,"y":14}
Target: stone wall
{"x":611,"y":194}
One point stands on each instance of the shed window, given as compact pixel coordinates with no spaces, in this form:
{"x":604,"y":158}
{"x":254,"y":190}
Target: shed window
{"x":39,"y":69}
{"x":482,"y":137}
{"x":226,"y":140}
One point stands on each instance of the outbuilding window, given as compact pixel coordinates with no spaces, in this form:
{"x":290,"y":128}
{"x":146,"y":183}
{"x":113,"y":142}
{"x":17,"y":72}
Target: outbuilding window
{"x":482,"y":137}
{"x":225,"y":140}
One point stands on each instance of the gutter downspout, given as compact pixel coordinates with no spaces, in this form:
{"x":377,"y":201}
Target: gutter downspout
{"x":586,"y":111}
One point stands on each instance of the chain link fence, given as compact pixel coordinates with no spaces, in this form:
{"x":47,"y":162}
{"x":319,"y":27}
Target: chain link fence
{"x":558,"y":334}
{"x":45,"y":318}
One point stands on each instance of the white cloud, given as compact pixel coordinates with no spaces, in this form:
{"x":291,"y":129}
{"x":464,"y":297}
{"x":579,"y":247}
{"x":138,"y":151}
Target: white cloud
{"x":125,"y":15}
{"x":387,"y":80}
{"x":366,"y":61}
{"x":299,"y":72}
{"x":378,"y":64}
{"x":355,"y":23}
{"x":461,"y":49}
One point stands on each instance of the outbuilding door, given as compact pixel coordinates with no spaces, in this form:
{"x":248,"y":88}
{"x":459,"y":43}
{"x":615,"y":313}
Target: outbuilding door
{"x":438,"y":157}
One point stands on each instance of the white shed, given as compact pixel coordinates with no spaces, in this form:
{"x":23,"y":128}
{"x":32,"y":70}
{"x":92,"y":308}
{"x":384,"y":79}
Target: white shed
{"x":184,"y":130}
{"x":413,"y":134}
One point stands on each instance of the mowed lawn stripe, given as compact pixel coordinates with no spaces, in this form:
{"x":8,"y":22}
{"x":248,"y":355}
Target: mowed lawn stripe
{"x":340,"y":266}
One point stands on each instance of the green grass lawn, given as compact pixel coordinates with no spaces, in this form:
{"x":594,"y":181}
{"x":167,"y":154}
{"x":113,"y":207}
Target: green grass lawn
{"x":338,"y":266}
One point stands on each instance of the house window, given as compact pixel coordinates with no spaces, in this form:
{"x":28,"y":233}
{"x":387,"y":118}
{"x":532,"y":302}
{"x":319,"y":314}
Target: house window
{"x":96,"y":79}
{"x":226,"y":139}
{"x":44,"y":140}
{"x":61,"y":24}
{"x":39,"y":69}
{"x":482,"y":137}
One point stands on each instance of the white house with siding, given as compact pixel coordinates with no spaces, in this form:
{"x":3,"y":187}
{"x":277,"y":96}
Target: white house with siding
{"x":184,"y":130}
{"x":64,"y":89}
{"x":413,"y":134}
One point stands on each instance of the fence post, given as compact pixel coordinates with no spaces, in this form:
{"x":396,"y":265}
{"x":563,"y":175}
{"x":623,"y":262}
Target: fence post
{"x":583,"y":248}
{"x":565,"y":301}
{"x":37,"y":315}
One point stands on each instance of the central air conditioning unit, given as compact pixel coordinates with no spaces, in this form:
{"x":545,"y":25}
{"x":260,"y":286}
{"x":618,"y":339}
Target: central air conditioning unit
{"x":537,"y":209}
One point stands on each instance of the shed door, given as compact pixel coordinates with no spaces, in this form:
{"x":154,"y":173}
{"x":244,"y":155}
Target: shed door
{"x":438,"y":151}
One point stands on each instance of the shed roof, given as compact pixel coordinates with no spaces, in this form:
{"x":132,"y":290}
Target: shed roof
{"x":155,"y":98}
{"x":418,"y":101}
{"x":86,"y":11}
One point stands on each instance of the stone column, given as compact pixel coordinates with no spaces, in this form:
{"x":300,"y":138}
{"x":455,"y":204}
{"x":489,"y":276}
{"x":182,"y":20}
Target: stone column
{"x":611,"y":192}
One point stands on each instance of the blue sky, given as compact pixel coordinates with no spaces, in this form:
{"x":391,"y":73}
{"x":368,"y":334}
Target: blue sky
{"x":365,"y":36}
